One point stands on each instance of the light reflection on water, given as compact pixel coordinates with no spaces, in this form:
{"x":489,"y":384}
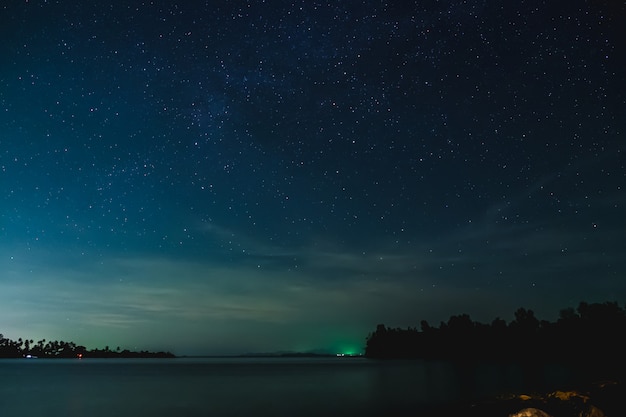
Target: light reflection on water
{"x":242,"y":387}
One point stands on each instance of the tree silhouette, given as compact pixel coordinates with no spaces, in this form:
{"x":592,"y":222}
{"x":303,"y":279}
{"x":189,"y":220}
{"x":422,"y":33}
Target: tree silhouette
{"x":592,"y":331}
{"x":61,"y":349}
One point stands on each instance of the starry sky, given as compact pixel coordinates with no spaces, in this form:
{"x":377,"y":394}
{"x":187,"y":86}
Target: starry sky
{"x":214,"y":177}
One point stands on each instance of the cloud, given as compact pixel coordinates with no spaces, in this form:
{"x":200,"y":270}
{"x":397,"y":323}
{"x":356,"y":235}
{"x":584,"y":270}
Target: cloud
{"x":272,"y":297}
{"x":134,"y":300}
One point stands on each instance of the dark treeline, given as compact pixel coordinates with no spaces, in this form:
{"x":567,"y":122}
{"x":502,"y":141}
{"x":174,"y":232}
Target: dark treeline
{"x":25,"y":348}
{"x":592,"y":333}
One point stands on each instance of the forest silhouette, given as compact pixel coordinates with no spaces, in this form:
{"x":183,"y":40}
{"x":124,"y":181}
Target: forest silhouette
{"x":27,"y":348}
{"x":592,"y":334}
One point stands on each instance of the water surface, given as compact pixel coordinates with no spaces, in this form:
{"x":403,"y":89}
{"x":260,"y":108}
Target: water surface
{"x":244,"y":387}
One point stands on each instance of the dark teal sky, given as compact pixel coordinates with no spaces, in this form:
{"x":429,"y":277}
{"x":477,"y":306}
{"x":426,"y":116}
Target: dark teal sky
{"x":226,"y":177}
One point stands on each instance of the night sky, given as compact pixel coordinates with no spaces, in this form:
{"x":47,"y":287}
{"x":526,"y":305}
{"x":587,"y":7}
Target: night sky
{"x":215,"y":177}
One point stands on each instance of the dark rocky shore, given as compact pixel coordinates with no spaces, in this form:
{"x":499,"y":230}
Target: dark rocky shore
{"x":600,"y":399}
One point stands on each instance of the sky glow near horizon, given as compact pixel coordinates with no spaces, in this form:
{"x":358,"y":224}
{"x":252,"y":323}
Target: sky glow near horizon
{"x":230,"y":177}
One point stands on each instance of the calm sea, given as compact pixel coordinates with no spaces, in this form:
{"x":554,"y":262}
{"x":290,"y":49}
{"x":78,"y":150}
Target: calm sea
{"x":245,"y":387}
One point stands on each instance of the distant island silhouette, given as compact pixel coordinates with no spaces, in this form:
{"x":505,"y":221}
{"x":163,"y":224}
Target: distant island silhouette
{"x":592,"y":335}
{"x":27,"y":348}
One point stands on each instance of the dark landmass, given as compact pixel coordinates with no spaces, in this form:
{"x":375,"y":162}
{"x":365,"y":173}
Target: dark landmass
{"x":272,"y":355}
{"x":297,"y":355}
{"x":25,"y":348}
{"x":589,"y":341}
{"x":286,"y":355}
{"x":590,"y":335}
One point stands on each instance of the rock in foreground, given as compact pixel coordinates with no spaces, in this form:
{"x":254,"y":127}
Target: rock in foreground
{"x":604,"y":399}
